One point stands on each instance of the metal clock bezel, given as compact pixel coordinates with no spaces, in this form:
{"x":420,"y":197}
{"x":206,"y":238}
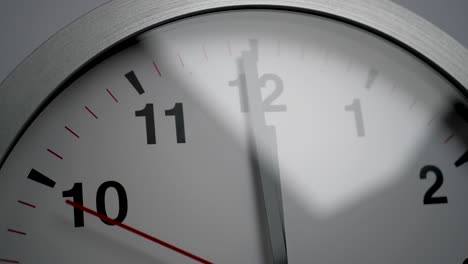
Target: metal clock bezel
{"x":33,"y":83}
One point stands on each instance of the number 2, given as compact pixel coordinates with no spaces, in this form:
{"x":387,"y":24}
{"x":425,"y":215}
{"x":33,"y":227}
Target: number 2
{"x":268,"y":105}
{"x":429,"y":196}
{"x":268,"y":102}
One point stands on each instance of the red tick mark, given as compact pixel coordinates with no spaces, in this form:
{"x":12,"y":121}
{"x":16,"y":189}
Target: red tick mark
{"x":449,"y":138}
{"x":9,"y":261}
{"x":137,"y":232}
{"x":16,"y":232}
{"x":55,"y":154}
{"x":27,"y":204}
{"x":113,"y":97}
{"x":433,"y":119}
{"x":91,"y":112}
{"x":72,"y":132}
{"x":156,"y":68}
{"x":180,"y":60}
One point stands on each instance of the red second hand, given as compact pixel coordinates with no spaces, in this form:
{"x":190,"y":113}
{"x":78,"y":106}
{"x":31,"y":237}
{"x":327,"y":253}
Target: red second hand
{"x":138,"y":232}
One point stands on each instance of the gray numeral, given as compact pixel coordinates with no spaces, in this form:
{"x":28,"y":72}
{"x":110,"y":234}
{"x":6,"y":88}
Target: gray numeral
{"x":268,"y":104}
{"x":357,"y":109}
{"x":240,"y":82}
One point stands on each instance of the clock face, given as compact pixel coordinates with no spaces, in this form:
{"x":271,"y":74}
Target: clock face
{"x":232,"y":136}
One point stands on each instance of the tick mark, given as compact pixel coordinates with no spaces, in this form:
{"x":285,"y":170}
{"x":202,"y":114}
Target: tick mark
{"x":433,"y":119}
{"x":55,"y":154}
{"x":253,"y":43}
{"x":112,"y":95}
{"x":462,"y":160}
{"x":91,"y":112}
{"x":9,"y":261}
{"x":156,"y":68}
{"x":229,"y":48}
{"x":371,"y":77}
{"x":180,"y":60}
{"x":393,"y":88}
{"x":204,"y":52}
{"x":16,"y":232}
{"x":41,"y":178}
{"x":133,"y":80}
{"x":72,"y":132}
{"x":412,"y":105}
{"x":449,"y":138}
{"x":27,"y":204}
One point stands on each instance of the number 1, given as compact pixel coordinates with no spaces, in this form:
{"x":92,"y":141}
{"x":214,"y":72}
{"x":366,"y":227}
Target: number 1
{"x":148,"y":113}
{"x":357,"y":109}
{"x":178,"y":113}
{"x":77,"y":194}
{"x":241,"y":83}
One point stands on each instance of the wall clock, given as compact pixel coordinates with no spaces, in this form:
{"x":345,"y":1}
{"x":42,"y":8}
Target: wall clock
{"x":263,"y":131}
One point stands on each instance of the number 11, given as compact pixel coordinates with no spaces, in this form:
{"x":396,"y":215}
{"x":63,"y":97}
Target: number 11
{"x":148,"y":114}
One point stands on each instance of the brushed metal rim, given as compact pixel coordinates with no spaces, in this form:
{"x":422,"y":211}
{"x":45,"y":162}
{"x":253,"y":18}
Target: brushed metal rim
{"x":34,"y":81}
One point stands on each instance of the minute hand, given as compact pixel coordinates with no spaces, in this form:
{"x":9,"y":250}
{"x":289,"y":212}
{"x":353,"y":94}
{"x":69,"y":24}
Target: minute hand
{"x":265,"y":159}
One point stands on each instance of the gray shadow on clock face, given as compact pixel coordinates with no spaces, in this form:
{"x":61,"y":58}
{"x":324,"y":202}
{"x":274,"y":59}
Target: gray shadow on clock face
{"x":388,"y":225}
{"x":413,"y":220}
{"x":417,"y":218}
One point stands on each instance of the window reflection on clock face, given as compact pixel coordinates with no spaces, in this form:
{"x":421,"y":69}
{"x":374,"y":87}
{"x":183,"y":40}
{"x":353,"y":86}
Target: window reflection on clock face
{"x":171,"y":134}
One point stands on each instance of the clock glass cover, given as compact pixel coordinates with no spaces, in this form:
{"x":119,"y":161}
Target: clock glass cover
{"x":243,"y":136}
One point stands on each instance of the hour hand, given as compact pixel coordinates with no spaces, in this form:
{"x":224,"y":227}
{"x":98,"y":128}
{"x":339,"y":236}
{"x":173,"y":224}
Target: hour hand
{"x":264,"y":158}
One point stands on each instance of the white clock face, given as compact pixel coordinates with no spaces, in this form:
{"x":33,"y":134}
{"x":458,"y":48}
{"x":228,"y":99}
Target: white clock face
{"x":180,"y":135}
